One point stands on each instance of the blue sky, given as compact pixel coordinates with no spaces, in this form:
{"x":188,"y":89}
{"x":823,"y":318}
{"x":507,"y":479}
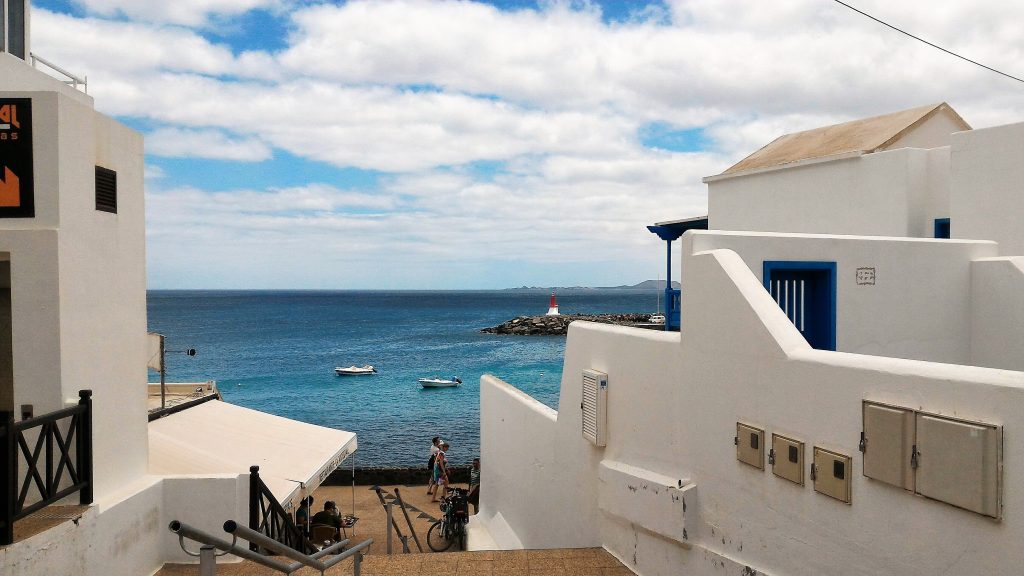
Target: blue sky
{"x":456,"y":144}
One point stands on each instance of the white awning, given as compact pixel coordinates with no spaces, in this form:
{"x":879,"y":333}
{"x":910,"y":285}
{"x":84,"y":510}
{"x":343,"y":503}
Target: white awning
{"x":220,"y":438}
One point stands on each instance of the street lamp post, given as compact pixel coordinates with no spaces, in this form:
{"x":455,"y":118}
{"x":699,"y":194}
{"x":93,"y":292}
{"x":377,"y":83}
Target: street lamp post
{"x":163,"y":369}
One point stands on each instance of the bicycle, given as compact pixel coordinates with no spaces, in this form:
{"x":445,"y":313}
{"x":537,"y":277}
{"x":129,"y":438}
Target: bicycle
{"x":451,"y":527}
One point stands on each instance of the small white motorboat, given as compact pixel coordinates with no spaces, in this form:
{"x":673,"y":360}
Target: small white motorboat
{"x":438,"y":382}
{"x":355,"y":370}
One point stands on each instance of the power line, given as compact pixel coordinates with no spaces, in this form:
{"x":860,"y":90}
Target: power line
{"x":927,"y":42}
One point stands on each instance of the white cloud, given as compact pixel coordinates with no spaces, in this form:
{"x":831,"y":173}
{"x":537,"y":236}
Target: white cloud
{"x":555,"y":98}
{"x":153,"y":172}
{"x":186,"y":12}
{"x":109,"y":49}
{"x":214,"y":144}
{"x":546,"y":211}
{"x":719,"y":57}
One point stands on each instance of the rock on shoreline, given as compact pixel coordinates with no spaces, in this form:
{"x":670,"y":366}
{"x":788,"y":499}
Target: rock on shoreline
{"x":391,"y":476}
{"x":559,"y":325}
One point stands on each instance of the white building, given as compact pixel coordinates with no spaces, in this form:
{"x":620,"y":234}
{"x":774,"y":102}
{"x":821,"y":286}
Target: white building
{"x":73,"y":318}
{"x":837,"y":397}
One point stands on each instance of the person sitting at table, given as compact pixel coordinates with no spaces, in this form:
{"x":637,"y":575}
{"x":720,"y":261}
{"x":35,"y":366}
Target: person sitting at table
{"x":329,"y":516}
{"x":302,"y":514}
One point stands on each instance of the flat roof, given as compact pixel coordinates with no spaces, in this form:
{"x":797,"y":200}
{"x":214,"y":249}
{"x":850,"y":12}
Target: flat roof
{"x":672,"y":229}
{"x":220,"y":438}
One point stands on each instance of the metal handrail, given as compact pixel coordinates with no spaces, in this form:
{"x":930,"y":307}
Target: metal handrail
{"x":72,"y":80}
{"x":313,"y":560}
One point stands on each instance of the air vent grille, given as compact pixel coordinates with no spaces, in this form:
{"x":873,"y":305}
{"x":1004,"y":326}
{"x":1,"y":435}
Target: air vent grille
{"x":594,"y":405}
{"x":106,"y":190}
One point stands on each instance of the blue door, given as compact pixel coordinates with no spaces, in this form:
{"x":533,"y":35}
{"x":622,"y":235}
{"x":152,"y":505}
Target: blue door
{"x":806,"y":292}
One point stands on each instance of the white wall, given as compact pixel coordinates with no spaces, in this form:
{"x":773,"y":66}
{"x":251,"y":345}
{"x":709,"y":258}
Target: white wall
{"x":126,"y":533}
{"x":863,"y":195}
{"x":523,"y":432}
{"x":740,"y":359}
{"x":203,"y":502}
{"x":35,"y":317}
{"x":78,"y":277}
{"x":997,"y":313}
{"x":918,"y":308}
{"x":932,"y":133}
{"x":15,"y":74}
{"x":103,"y":289}
{"x":987,"y":186}
{"x":931,"y":202}
{"x":532,"y":456}
{"x":119,"y":536}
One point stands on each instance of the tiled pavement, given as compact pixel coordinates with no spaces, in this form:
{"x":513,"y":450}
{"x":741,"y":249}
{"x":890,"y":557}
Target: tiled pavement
{"x":574,"y":562}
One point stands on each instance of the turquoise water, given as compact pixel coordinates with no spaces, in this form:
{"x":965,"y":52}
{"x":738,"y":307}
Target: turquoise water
{"x":276,"y":351}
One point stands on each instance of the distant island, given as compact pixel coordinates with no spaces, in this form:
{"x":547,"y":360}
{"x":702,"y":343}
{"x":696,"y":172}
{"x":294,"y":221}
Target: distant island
{"x":645,"y":285}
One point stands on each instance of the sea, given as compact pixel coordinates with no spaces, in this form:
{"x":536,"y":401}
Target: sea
{"x":276,"y":351}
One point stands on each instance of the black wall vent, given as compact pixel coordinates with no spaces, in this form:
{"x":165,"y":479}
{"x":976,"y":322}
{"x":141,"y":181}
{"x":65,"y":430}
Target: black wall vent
{"x":106,"y":190}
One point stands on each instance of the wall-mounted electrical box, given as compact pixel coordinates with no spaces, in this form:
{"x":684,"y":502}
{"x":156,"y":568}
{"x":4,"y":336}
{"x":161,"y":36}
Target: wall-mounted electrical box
{"x":960,"y":463}
{"x":887,"y":442}
{"x":831,"y":474}
{"x":947,"y":459}
{"x":787,"y":458}
{"x":749,"y":445}
{"x":594,"y":406}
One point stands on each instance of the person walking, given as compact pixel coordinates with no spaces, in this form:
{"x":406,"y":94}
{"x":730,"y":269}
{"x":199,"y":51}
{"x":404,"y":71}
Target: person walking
{"x":434,"y":449}
{"x":474,"y":485}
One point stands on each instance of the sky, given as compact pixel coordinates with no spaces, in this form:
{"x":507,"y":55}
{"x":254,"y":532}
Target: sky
{"x":413,"y":144}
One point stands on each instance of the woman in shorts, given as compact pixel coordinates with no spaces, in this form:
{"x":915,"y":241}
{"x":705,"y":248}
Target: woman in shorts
{"x":440,"y":472}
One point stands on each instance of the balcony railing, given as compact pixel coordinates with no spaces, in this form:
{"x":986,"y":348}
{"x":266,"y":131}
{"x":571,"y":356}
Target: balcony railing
{"x":268,"y":517}
{"x":57,"y":451}
{"x":65,"y":76}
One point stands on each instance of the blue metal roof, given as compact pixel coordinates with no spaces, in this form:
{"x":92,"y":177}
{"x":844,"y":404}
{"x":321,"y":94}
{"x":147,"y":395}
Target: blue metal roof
{"x":674,"y":229}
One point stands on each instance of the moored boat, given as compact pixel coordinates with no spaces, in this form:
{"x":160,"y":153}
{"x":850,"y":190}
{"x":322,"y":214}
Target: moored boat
{"x":438,"y":382}
{"x":355,"y":370}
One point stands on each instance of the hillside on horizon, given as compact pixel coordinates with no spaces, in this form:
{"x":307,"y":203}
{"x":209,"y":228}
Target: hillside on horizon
{"x":645,"y":285}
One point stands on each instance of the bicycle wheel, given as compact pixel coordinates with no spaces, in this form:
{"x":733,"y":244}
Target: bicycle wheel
{"x":439,"y":537}
{"x":461,"y":530}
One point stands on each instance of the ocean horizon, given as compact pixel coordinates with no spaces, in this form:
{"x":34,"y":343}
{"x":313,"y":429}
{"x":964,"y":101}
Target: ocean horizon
{"x":276,"y":350}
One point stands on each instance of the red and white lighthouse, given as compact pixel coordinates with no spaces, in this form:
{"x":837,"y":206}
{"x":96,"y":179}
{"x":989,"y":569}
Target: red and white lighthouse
{"x":553,"y":307}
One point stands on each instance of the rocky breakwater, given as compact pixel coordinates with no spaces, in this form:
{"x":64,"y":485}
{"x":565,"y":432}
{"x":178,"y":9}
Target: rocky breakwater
{"x":556,"y":325}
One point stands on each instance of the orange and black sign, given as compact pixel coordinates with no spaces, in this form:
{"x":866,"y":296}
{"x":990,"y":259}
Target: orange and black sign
{"x":16,"y":197}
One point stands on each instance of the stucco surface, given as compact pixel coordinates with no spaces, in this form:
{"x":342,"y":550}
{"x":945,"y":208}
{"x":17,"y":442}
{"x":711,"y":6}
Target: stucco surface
{"x":997,"y":313}
{"x":740,"y":359}
{"x":987,"y":186}
{"x":918,"y":305}
{"x":862,"y":195}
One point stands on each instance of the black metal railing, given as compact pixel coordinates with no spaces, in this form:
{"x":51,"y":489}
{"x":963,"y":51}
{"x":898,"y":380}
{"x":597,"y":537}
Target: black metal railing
{"x":58,"y":462}
{"x":268,"y":517}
